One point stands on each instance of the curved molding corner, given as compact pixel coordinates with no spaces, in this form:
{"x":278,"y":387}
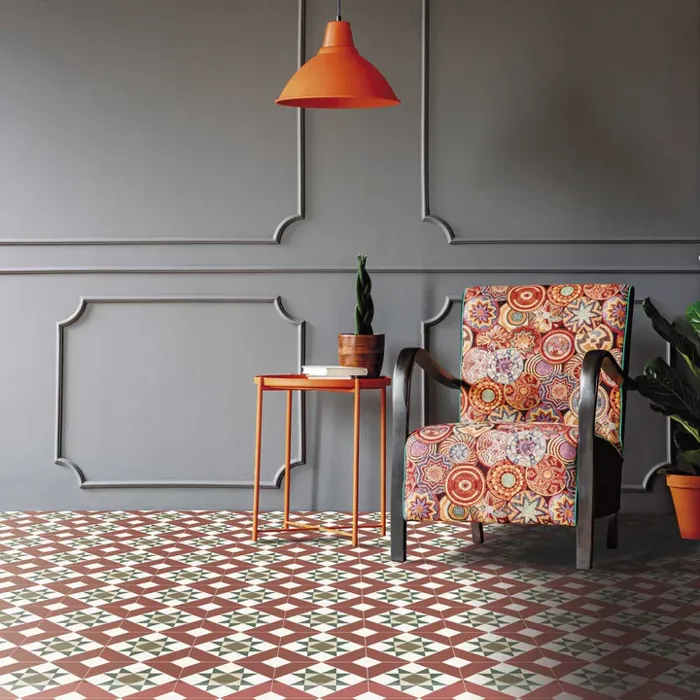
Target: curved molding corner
{"x":426,"y":215}
{"x":84,"y":482}
{"x":431,"y":218}
{"x":281,"y":227}
{"x":425,"y":326}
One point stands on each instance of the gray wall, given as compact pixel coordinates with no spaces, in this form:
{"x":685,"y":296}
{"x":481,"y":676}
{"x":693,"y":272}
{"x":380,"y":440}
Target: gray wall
{"x":145,"y":169}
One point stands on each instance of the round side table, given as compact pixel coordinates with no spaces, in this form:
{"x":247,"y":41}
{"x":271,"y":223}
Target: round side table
{"x":300,"y":382}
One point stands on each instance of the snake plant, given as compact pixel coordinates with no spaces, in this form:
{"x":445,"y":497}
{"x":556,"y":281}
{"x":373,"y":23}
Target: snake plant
{"x":669,"y":391}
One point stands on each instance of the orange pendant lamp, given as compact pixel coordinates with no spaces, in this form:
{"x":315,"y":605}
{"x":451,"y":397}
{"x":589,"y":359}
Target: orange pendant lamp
{"x":338,"y":77}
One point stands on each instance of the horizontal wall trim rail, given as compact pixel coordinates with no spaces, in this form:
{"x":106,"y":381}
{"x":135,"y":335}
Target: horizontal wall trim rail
{"x":281,"y":227}
{"x":428,"y":216}
{"x":643,"y":487}
{"x":59,"y":457}
{"x":253,"y":270}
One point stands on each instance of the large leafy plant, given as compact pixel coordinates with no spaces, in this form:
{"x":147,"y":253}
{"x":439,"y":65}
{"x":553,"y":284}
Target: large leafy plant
{"x":669,"y":391}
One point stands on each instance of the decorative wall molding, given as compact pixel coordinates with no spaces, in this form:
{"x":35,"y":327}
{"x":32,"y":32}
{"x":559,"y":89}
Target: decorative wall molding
{"x":443,"y":313}
{"x":83,"y":481}
{"x":428,"y":216}
{"x":388,"y":270}
{"x":281,"y":227}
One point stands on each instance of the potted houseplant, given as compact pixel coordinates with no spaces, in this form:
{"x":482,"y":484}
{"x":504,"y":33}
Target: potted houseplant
{"x":362,"y":348}
{"x":679,"y":399}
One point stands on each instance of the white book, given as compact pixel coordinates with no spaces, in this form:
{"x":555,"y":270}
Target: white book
{"x":333,"y":371}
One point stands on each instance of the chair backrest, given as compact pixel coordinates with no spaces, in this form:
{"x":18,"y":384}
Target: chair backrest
{"x":523,"y":347}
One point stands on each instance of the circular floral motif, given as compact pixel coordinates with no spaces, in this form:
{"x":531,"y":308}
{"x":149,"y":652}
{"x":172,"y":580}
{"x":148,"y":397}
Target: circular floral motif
{"x":572,"y":367}
{"x":471,"y":415}
{"x":485,"y":395}
{"x":570,"y":479}
{"x":491,"y":447}
{"x":543,"y":414}
{"x":505,"y":480}
{"x":505,"y":365}
{"x":615,"y":404}
{"x":547,"y":476}
{"x":493,"y":339}
{"x":505,"y":414}
{"x":560,"y":447}
{"x":558,"y":346}
{"x":526,"y":447}
{"x":563,"y":294}
{"x":421,"y":506}
{"x":498,"y":291}
{"x":452,"y":511}
{"x":539,"y":367}
{"x":582,"y":313}
{"x":617,"y":354}
{"x":489,"y":510}
{"x":561,"y":509}
{"x":433,"y":433}
{"x":512,"y":318}
{"x":615,"y":312}
{"x":431,"y":470}
{"x":475,"y":365}
{"x":571,"y":419}
{"x":556,"y":390}
{"x":525,"y":340}
{"x":545,"y":317}
{"x":598,"y":338}
{"x":416,"y":448}
{"x":601,"y":292}
{"x":463,"y":401}
{"x":526,"y":298}
{"x":523,"y":393}
{"x":458,"y":449}
{"x":480,"y":312}
{"x":601,"y":405}
{"x":467,"y":338}
{"x":528,"y":508}
{"x":465,"y":484}
{"x":472,"y":292}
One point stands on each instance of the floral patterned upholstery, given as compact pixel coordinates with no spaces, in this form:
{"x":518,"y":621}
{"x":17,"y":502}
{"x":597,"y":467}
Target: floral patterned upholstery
{"x":512,"y":456}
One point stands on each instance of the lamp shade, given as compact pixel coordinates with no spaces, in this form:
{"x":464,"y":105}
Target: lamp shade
{"x":338,"y":77}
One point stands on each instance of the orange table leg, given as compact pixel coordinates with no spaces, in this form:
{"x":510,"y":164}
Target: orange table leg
{"x":382,"y":457}
{"x":258,"y":445}
{"x":288,"y":460}
{"x":356,"y":466}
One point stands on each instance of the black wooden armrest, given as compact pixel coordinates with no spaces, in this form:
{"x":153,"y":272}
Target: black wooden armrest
{"x":401,"y":387}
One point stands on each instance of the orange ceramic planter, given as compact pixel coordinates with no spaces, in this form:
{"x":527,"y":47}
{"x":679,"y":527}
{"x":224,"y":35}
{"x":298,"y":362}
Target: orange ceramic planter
{"x":686,"y":500}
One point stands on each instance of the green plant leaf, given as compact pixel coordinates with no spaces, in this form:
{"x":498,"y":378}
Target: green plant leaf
{"x":685,"y":441}
{"x":692,"y":314}
{"x":671,"y":395}
{"x":685,"y":347}
{"x":692,"y":457}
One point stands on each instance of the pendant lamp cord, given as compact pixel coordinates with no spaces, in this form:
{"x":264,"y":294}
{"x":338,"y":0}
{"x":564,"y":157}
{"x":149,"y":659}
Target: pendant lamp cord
{"x":338,"y":18}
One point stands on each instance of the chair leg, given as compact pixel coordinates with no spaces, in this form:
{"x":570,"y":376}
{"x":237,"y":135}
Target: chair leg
{"x":612,"y":532}
{"x":477,"y":533}
{"x":398,"y":536}
{"x":584,"y":541}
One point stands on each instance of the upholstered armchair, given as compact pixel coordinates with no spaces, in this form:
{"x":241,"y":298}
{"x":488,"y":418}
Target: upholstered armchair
{"x":540,"y":434}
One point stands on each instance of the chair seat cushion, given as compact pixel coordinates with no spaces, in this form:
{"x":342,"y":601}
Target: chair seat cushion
{"x":492,"y":473}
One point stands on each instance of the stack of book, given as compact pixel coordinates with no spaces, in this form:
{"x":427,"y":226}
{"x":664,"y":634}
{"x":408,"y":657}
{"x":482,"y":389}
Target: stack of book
{"x":333,"y":372}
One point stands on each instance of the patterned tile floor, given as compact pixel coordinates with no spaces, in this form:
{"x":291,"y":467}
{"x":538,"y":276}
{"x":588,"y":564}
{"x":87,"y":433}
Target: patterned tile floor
{"x":175,"y":605}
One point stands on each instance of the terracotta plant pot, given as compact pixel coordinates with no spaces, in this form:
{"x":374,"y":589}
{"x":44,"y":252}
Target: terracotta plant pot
{"x":686,"y":500}
{"x":362,"y":351}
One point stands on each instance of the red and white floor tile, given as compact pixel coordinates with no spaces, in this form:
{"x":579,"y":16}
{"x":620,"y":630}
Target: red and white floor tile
{"x":181,"y":605}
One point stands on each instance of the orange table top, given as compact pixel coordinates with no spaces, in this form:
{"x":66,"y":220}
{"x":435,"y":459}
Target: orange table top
{"x":280,"y":382}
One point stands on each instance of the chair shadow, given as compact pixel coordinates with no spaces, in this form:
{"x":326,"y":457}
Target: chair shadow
{"x":643,"y":542}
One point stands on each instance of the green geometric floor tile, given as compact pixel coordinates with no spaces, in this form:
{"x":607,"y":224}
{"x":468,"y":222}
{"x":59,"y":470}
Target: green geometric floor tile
{"x":61,"y":647}
{"x":150,"y":646}
{"x":235,"y":646}
{"x":408,"y":647}
{"x":602,"y":679}
{"x":510,"y":680}
{"x":320,"y":679}
{"x":683,"y":676}
{"x":43,"y":677}
{"x":223,"y":680}
{"x":494,"y":647}
{"x":322,"y":647}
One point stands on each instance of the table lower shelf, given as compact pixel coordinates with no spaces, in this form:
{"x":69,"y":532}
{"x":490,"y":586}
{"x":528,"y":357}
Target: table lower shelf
{"x":290,"y":525}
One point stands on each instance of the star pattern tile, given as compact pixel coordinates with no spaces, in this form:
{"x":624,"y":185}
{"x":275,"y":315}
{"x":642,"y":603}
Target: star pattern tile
{"x":180,"y":605}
